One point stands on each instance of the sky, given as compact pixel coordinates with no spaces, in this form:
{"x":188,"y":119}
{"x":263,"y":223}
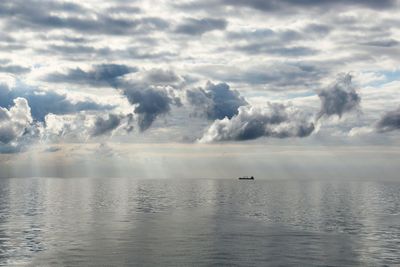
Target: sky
{"x":200,"y":89}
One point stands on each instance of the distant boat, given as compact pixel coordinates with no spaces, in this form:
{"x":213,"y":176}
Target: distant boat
{"x":246,"y":178}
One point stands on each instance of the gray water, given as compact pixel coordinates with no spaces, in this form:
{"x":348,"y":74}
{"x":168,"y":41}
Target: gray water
{"x":114,"y":222}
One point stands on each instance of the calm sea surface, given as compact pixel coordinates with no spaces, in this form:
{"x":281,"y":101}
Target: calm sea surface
{"x":116,"y":221}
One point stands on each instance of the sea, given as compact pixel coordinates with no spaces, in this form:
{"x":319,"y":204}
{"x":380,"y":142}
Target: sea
{"x":198,"y":222}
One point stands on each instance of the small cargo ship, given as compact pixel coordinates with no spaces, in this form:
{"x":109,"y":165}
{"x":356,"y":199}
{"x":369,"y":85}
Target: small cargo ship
{"x":246,"y":178}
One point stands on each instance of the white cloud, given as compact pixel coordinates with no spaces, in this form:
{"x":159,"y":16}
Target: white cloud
{"x":14,"y":121}
{"x":275,"y":120}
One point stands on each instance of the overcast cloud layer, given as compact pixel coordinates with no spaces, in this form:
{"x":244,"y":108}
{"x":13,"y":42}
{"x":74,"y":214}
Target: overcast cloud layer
{"x":198,"y":71}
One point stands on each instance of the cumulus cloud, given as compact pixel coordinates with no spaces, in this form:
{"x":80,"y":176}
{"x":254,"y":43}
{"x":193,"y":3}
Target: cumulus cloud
{"x":390,"y":121}
{"x":200,"y":26}
{"x":14,"y":121}
{"x":150,"y":102}
{"x":339,"y":99}
{"x":46,"y":102}
{"x":102,"y":126}
{"x":151,"y":91}
{"x":251,"y":122}
{"x":79,"y":127}
{"x":106,"y":125}
{"x":74,"y":127}
{"x":83,"y":126}
{"x":216,"y":101}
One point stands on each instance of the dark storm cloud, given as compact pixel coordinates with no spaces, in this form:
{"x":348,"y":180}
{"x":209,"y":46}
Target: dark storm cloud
{"x":199,"y":26}
{"x":21,"y":15}
{"x":340,"y":98}
{"x":105,"y":125}
{"x":44,"y":102}
{"x":151,"y":103}
{"x":99,"y":75}
{"x":276,"y":120}
{"x":390,"y":121}
{"x":216,"y":101}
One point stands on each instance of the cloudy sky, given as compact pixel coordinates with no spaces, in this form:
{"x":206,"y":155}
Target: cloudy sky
{"x":207,"y":88}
